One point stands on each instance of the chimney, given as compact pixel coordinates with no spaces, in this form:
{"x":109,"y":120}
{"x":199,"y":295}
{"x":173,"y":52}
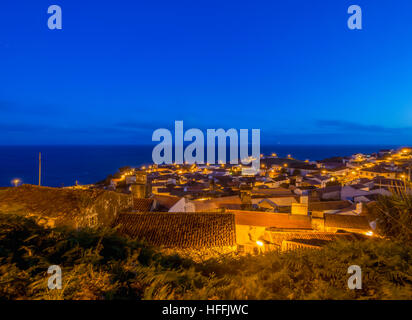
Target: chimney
{"x":301,"y":208}
{"x":304,"y":198}
{"x":359,"y":207}
{"x":138,"y":191}
{"x":246,"y":198}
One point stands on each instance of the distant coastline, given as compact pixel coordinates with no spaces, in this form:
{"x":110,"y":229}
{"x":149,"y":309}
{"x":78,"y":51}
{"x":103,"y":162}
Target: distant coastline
{"x":63,"y":165}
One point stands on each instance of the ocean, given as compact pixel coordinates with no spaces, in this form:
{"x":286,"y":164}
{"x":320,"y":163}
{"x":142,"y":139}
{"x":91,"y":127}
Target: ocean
{"x":64,"y":165}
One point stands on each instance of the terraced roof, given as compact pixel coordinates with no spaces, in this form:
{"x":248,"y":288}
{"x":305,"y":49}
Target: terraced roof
{"x":347,"y":221}
{"x":182,"y":230}
{"x":329,"y":205}
{"x":142,"y":205}
{"x":312,"y":238}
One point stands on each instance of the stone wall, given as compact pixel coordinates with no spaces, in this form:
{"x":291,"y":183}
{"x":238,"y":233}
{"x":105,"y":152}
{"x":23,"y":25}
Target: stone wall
{"x":64,"y":206}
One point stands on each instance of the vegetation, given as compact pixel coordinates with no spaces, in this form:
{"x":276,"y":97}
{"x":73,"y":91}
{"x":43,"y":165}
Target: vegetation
{"x":393,"y":215}
{"x":98,"y":264}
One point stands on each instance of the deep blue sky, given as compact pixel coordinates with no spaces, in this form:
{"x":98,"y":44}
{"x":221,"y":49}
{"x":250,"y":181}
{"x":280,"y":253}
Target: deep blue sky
{"x":121,"y":69}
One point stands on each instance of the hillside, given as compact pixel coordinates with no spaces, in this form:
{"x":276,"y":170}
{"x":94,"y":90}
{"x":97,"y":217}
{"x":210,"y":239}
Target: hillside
{"x":58,"y":206}
{"x":98,"y":264}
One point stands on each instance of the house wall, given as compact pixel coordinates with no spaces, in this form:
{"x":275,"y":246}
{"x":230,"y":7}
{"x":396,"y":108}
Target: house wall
{"x":300,"y":209}
{"x":280,"y":201}
{"x":334,"y":229}
{"x":371,"y":174}
{"x":248,"y":234}
{"x":335,"y":195}
{"x":138,"y":190}
{"x":183,"y":205}
{"x":318,"y":222}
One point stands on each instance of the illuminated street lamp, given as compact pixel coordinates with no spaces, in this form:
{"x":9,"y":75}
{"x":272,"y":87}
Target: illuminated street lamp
{"x":15,"y":182}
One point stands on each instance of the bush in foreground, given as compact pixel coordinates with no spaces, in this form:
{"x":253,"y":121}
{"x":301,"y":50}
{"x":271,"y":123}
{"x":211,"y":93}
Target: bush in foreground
{"x":98,"y":264}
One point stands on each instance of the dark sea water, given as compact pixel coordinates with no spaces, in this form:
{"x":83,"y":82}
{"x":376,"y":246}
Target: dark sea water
{"x":63,"y":165}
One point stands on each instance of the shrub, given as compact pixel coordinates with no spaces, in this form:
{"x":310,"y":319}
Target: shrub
{"x":99,"y":264}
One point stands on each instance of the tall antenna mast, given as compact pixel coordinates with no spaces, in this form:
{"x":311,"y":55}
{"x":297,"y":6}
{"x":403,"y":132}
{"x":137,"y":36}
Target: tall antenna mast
{"x":39,"y":168}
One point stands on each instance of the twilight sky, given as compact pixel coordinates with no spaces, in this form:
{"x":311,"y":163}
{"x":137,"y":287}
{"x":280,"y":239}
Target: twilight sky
{"x":118,"y":70}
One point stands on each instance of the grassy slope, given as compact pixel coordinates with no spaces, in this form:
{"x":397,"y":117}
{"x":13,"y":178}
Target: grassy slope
{"x":97,"y":264}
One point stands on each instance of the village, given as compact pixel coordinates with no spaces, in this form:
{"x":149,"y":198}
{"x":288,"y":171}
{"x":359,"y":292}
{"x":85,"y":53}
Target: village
{"x":290,"y":204}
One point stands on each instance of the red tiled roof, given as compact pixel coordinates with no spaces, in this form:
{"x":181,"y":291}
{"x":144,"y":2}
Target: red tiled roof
{"x":166,"y":201}
{"x":329,"y":205}
{"x":183,"y":230}
{"x":142,"y":204}
{"x":276,"y":237}
{"x":347,"y":222}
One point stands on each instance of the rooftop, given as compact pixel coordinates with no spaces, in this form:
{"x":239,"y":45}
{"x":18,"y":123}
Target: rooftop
{"x":347,"y":221}
{"x":182,"y":230}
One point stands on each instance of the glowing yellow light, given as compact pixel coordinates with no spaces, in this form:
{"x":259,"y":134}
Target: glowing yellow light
{"x":259,"y":243}
{"x":15,"y":182}
{"x":369,"y":233}
{"x":285,"y":165}
{"x":333,"y":179}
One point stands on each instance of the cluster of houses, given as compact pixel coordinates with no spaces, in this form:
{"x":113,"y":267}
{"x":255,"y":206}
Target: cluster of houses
{"x":289,"y":204}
